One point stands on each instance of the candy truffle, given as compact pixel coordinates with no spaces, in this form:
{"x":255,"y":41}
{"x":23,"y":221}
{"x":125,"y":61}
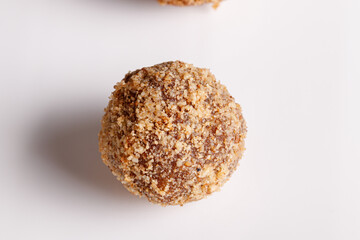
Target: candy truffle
{"x":189,"y":2}
{"x":172,"y":133}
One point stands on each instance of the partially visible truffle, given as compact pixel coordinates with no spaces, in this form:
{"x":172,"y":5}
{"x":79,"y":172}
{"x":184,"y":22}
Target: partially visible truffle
{"x":172,"y":133}
{"x":189,"y":2}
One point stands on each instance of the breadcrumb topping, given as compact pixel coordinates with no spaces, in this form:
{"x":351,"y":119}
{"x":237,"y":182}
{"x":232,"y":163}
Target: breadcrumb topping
{"x":189,"y":2}
{"x":172,"y":133}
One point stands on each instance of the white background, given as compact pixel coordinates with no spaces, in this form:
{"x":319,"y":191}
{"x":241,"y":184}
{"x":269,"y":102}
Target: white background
{"x":292,"y":65}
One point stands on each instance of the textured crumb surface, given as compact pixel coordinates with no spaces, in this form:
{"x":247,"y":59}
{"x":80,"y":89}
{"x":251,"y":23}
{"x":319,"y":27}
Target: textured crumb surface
{"x":189,"y":2}
{"x":172,"y":133}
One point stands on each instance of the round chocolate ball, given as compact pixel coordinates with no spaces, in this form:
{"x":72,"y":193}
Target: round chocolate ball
{"x":172,"y":133}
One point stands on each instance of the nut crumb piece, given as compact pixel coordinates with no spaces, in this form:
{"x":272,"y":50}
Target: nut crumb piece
{"x":172,"y":133}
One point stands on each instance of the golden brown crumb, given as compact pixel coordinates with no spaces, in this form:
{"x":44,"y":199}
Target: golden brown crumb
{"x":189,"y":2}
{"x":172,"y":133}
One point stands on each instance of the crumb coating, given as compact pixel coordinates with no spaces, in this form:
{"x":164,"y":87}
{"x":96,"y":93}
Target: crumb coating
{"x":189,"y":2}
{"x":172,"y":133}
